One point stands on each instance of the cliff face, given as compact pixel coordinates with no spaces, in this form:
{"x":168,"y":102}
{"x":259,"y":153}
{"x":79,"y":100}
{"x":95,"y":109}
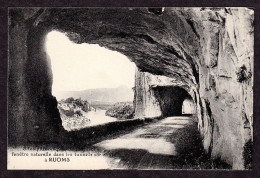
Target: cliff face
{"x":207,"y":52}
{"x":32,"y":110}
{"x":224,"y":93}
{"x":226,"y":82}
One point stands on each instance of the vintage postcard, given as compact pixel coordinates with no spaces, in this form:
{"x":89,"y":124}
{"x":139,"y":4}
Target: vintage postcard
{"x":160,"y":88}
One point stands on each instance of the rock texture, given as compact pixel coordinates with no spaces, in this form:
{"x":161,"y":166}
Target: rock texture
{"x":73,"y":113}
{"x":226,"y":98}
{"x":208,"y":52}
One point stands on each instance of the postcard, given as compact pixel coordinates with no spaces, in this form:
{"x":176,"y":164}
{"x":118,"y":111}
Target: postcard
{"x":160,"y":88}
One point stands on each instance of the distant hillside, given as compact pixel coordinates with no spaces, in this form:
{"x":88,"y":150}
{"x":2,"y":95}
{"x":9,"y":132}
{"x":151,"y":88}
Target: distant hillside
{"x":100,"y":95}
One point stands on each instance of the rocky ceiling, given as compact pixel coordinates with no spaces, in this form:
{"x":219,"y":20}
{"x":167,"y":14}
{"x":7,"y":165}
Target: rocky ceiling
{"x":161,"y":41}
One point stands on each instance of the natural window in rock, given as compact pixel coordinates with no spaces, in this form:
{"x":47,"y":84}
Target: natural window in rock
{"x":93,"y":85}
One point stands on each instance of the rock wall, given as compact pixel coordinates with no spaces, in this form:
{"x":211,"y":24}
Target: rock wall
{"x":17,"y":58}
{"x":206,"y":51}
{"x":226,"y":82}
{"x":224,"y":95}
{"x":32,"y":110}
{"x":146,"y":105}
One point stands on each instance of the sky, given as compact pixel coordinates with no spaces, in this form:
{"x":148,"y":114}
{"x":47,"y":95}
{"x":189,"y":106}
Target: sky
{"x":86,"y":66}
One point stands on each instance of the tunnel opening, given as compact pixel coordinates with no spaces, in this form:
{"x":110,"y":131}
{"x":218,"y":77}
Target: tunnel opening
{"x":174,"y":101}
{"x":188,"y":106}
{"x":93,"y":85}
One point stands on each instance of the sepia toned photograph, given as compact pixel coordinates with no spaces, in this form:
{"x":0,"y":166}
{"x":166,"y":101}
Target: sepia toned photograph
{"x":162,"y":88}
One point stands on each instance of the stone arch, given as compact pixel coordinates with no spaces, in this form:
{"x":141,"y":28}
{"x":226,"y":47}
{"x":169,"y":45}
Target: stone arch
{"x":171,"y":99}
{"x":138,"y":39}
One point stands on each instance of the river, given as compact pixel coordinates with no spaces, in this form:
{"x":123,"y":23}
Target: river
{"x":98,"y":117}
{"x":90,"y":118}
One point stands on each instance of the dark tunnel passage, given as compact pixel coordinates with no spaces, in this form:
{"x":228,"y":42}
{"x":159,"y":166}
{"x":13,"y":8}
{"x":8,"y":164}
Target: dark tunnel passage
{"x":171,"y":100}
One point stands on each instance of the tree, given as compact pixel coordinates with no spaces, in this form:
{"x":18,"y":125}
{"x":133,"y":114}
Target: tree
{"x":69,"y":100}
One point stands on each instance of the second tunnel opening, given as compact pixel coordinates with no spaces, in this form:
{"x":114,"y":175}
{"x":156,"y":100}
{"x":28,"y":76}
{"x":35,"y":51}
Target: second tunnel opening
{"x":174,"y":101}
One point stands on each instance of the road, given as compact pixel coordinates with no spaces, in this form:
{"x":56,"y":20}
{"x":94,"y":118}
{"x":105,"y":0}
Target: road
{"x":154,"y":146}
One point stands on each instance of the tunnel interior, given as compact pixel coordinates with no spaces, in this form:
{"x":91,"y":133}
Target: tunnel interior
{"x":171,"y":99}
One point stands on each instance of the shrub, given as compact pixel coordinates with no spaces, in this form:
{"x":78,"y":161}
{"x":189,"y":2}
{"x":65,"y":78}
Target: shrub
{"x":78,"y":102}
{"x":243,"y":74}
{"x":78,"y":113}
{"x":69,"y":113}
{"x":121,"y":111}
{"x":69,"y":100}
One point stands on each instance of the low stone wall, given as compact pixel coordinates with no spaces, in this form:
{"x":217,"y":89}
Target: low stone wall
{"x":90,"y":135}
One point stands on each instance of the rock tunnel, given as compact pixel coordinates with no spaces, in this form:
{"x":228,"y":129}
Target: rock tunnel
{"x":204,"y":53}
{"x":171,"y":100}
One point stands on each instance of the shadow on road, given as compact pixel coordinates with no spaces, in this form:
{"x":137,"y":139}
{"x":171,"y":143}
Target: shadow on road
{"x":189,"y":150}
